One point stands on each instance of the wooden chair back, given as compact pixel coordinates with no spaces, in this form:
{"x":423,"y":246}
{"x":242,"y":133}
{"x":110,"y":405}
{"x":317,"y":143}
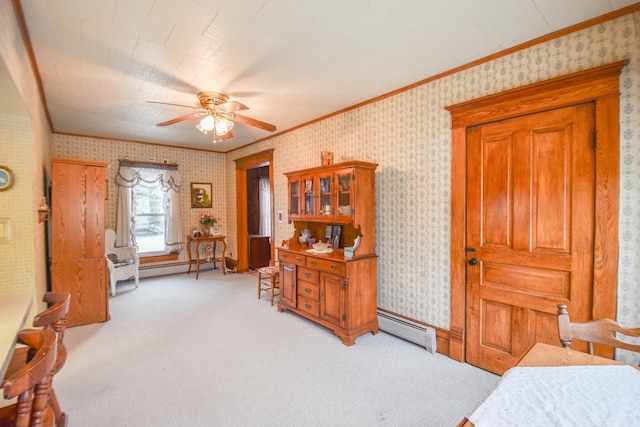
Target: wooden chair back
{"x":601,"y":331}
{"x":55,"y":318}
{"x":32,"y":383}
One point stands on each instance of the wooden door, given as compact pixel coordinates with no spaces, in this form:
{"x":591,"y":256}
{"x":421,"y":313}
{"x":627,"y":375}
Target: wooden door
{"x":287,"y":283}
{"x":86,"y":281}
{"x":294,"y":198}
{"x":95,"y":191}
{"x":77,"y":233}
{"x":344,"y":180}
{"x":68,"y":240}
{"x":332,"y":298}
{"x":309,"y":185}
{"x":530,"y":228}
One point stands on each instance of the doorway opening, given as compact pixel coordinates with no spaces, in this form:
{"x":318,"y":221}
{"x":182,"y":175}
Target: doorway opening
{"x":254,"y":190}
{"x":259,"y":217}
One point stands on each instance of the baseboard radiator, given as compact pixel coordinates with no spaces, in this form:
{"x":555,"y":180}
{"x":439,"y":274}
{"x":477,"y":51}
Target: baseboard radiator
{"x":166,"y":269}
{"x":176,"y":268}
{"x":419,"y":334}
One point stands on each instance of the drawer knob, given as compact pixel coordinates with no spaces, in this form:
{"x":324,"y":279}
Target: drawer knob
{"x":283,"y":256}
{"x":298,"y":259}
{"x":307,"y":274}
{"x":307,"y":290}
{"x":313,"y":263}
{"x":333,"y":266}
{"x":308,"y":306}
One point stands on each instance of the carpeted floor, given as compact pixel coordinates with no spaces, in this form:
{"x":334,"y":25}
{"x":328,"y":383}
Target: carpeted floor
{"x":185,"y":352}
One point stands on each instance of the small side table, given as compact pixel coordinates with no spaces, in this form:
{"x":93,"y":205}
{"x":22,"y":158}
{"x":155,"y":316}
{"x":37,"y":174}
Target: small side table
{"x":207,"y":239}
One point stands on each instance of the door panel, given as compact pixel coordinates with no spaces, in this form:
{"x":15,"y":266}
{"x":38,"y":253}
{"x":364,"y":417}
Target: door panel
{"x":94,"y":208}
{"x":530,"y":199}
{"x":70,"y":191}
{"x":86,"y":281}
{"x":551,"y":180}
{"x":498,"y":192}
{"x":332,"y":298}
{"x":288,"y":283}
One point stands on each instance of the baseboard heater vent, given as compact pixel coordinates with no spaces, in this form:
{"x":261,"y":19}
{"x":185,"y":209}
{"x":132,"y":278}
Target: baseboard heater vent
{"x":419,"y":334}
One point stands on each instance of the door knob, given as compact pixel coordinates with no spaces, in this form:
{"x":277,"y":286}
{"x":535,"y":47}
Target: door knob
{"x":473,"y":261}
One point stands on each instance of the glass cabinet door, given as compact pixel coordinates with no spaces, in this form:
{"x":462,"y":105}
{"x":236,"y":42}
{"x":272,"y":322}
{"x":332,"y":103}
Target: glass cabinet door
{"x":326,"y":207}
{"x":294,"y":198}
{"x":309,"y":196}
{"x":343,"y":185}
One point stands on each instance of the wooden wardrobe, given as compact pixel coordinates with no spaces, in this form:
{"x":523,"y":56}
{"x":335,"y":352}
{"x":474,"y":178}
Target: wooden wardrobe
{"x":78,"y":266}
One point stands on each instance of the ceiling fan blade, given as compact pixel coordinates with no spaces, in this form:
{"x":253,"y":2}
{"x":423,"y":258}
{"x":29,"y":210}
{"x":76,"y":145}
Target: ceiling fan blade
{"x":232,"y":106}
{"x":178,"y":120}
{"x":227,"y":135}
{"x":253,"y":122}
{"x":176,"y":105}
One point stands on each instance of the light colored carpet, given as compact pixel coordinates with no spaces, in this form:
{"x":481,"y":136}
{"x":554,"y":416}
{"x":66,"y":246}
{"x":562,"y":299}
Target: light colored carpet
{"x":185,"y":352}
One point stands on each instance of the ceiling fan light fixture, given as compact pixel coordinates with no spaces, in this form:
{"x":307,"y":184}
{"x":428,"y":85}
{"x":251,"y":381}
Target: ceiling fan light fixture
{"x":223,"y":125}
{"x":217,"y":115}
{"x":206,"y":124}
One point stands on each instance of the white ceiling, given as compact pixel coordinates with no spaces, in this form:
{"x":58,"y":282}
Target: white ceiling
{"x":289,"y":61}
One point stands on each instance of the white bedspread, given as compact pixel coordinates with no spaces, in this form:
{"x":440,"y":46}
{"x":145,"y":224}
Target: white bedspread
{"x":582,"y":396}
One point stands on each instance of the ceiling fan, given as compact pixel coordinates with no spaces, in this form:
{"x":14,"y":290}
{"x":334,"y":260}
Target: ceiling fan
{"x":218,"y":115}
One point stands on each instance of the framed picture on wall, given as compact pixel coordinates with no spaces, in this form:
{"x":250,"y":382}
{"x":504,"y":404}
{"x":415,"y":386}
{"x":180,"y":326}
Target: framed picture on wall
{"x":200,"y":195}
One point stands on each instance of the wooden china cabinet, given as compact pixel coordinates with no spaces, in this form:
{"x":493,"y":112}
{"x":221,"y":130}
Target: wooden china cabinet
{"x":78,"y":265}
{"x":330,"y":289}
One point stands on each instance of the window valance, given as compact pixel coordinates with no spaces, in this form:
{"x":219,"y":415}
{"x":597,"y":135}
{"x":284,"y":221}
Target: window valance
{"x":131,"y":173}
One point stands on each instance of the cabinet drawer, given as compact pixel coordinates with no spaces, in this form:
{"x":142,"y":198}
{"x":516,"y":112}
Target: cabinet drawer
{"x":309,"y":290}
{"x":309,"y":275}
{"x":291,"y":257}
{"x":309,"y":306}
{"x":331,"y":266}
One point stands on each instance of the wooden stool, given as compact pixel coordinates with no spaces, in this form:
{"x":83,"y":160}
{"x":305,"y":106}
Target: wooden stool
{"x":268,"y":280}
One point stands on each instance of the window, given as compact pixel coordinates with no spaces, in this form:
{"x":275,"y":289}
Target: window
{"x":148,"y":214}
{"x":149,"y":218}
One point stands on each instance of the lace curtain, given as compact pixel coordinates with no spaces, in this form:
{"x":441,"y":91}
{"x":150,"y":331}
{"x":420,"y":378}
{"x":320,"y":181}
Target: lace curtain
{"x":131,"y":174}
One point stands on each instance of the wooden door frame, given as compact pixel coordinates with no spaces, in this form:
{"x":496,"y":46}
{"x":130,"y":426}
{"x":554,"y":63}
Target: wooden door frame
{"x":599,"y":85}
{"x":264,"y":158}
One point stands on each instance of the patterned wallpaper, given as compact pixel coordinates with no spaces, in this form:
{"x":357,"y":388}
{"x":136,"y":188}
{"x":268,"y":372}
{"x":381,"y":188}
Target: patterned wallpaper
{"x":26,"y":150}
{"x":194,"y":166}
{"x":409,"y":136}
{"x":18,"y":272}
